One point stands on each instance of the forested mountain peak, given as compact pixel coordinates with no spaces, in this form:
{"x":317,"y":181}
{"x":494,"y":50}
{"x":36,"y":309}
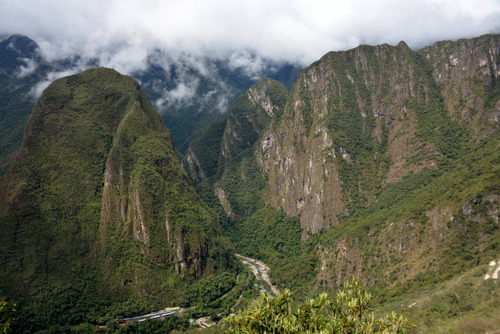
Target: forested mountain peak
{"x":97,"y":200}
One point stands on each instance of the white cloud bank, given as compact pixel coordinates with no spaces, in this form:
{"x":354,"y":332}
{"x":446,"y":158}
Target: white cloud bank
{"x":121,"y":33}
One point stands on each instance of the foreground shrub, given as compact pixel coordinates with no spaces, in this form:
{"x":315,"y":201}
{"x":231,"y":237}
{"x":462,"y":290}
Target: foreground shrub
{"x":348,"y":312}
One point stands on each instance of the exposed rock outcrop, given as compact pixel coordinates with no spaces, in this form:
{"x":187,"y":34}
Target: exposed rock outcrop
{"x":358,"y":120}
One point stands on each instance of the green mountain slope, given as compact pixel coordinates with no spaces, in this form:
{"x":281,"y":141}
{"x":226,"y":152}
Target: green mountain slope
{"x":222,"y":160}
{"x":426,"y":229}
{"x":382,"y":165}
{"x":97,"y":201}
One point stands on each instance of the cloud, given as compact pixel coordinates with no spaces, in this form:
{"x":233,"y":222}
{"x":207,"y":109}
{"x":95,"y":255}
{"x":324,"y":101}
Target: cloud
{"x":251,"y":64}
{"x":122,"y":33}
{"x":38,"y":89}
{"x":184,"y":91}
{"x":187,"y":81}
{"x":28,"y":68}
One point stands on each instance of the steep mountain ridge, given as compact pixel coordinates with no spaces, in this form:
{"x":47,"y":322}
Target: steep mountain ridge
{"x":361,"y":119}
{"x":250,"y":114}
{"x":97,"y":195}
{"x":231,"y":171}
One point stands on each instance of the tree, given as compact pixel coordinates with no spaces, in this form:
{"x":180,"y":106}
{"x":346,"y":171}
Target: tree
{"x":349,"y":313}
{"x":6,"y":311}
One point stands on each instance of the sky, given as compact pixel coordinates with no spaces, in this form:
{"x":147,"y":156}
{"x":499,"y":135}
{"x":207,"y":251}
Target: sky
{"x":121,"y":33}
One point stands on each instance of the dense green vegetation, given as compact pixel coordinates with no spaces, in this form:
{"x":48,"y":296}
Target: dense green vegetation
{"x":73,"y":309}
{"x":434,"y":122}
{"x":6,"y":313}
{"x":207,"y":148}
{"x":97,"y":210}
{"x":271,"y":236}
{"x":219,"y":296}
{"x":250,"y":113}
{"x":348,"y":312}
{"x":243,"y":183}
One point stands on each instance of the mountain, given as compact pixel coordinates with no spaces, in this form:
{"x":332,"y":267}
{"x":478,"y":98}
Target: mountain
{"x":222,"y":158}
{"x":192,"y":92}
{"x":97,"y":202}
{"x":248,"y":115}
{"x":360,"y":120}
{"x":189,"y":91}
{"x":15,"y":51}
{"x":381,"y":164}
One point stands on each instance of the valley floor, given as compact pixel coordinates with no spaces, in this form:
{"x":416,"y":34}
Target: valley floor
{"x":261,"y":272}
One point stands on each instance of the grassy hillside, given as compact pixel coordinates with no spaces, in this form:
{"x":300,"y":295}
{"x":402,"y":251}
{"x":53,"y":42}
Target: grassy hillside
{"x":427,"y":227}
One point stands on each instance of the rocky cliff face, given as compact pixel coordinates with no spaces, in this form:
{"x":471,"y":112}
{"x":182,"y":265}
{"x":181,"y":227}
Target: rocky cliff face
{"x":240,"y":184}
{"x":96,"y":187}
{"x":250,"y":114}
{"x":467,"y":73}
{"x":361,"y":119}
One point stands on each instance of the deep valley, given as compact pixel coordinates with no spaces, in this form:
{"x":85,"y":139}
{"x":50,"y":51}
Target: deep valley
{"x":379,"y":163}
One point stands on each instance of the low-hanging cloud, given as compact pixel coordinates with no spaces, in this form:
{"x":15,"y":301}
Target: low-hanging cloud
{"x":28,"y":68}
{"x":122,"y":33}
{"x":37,"y":90}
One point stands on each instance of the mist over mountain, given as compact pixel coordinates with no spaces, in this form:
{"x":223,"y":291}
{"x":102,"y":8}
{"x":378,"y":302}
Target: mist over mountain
{"x":121,"y":34}
{"x":190,"y":91}
{"x":329,"y":140}
{"x":97,"y":204}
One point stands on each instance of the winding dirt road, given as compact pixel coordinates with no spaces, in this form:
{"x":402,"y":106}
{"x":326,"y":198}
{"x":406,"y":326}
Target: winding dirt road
{"x":261,"y":272}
